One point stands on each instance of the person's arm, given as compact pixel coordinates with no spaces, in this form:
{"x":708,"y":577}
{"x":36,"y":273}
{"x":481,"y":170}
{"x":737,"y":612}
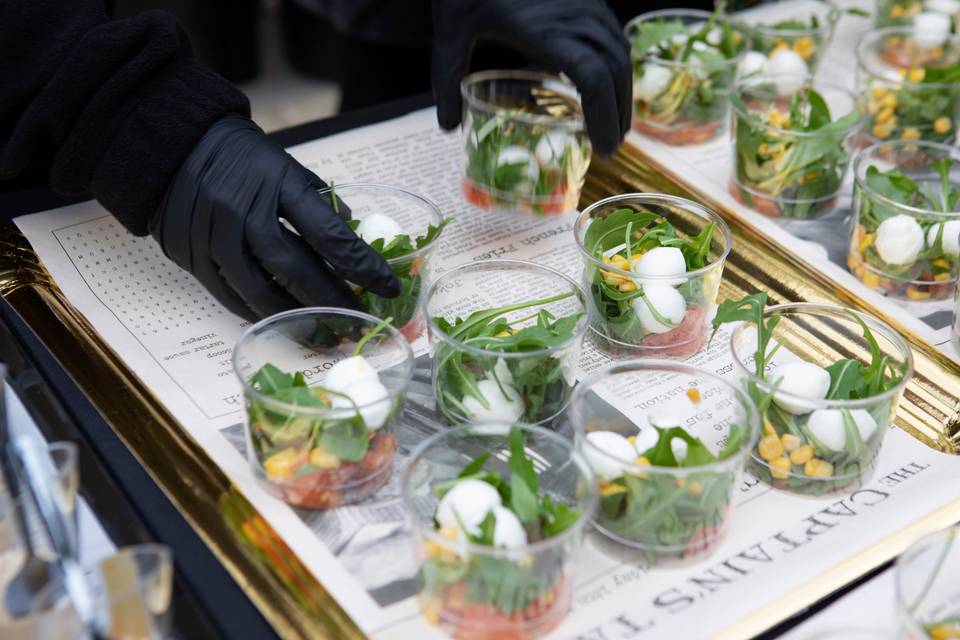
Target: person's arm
{"x":111,"y":107}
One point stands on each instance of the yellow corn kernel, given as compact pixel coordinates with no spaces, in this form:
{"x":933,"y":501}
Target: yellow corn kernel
{"x":942,"y":124}
{"x":693,"y":394}
{"x":632,"y":439}
{"x":889,"y":100}
{"x":871,"y":279}
{"x":619,"y":259}
{"x":780,"y":468}
{"x":695,"y":488}
{"x":805,"y":47}
{"x":867,"y":241}
{"x":882,"y":130}
{"x":912,"y":10}
{"x":643,"y":461}
{"x":801,"y":455}
{"x":941,"y":277}
{"x":885,"y":116}
{"x":433,"y":549}
{"x":451,"y":532}
{"x":877,"y":92}
{"x":431,"y":615}
{"x":770,"y":447}
{"x":636,"y":257}
{"x":896,"y":11}
{"x":778,"y":119}
{"x":503,"y":334}
{"x":607,"y":260}
{"x":282,"y":464}
{"x":915,"y":294}
{"x":768,"y":428}
{"x":817,"y":468}
{"x":945,"y":632}
{"x":680,"y":482}
{"x":873,"y":107}
{"x":790,"y":442}
{"x":322,"y":458}
{"x":611,"y":489}
{"x":627,"y":287}
{"x":916,"y":74}
{"x":910,"y":134}
{"x":941,"y":263}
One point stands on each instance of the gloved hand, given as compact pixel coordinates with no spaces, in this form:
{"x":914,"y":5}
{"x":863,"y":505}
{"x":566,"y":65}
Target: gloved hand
{"x":581,"y":38}
{"x":220,"y":220}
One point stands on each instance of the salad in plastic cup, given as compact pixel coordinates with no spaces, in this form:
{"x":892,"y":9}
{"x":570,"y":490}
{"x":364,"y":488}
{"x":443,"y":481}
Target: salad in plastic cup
{"x":905,"y":232}
{"x":901,"y":13}
{"x":525,"y":145}
{"x":498,"y":513}
{"x":652,"y":267}
{"x":668,"y":443}
{"x":792,"y":141}
{"x":684,"y":62}
{"x":322,"y":388}
{"x":405,"y":229}
{"x":824,"y":416}
{"x":916,"y":40}
{"x":928,"y":593}
{"x":506,"y":338}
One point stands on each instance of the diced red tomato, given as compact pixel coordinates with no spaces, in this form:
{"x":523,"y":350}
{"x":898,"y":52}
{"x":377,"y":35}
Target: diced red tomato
{"x":678,"y":134}
{"x":685,"y":340}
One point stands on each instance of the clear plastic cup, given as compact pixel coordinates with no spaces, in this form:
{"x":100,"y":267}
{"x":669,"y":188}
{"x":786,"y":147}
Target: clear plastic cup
{"x":670,"y":513}
{"x":928,"y":592}
{"x":796,"y":31}
{"x":415,"y":217}
{"x":525,"y":145}
{"x":904,"y":98}
{"x":908,"y":252}
{"x":811,"y":446}
{"x":901,"y":13}
{"x":497,"y":376}
{"x":784,"y":173}
{"x":682,"y":102}
{"x":481,"y":592}
{"x":311,"y":445}
{"x":624,"y":327}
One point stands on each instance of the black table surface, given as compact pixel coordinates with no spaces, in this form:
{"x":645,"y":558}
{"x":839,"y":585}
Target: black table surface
{"x":208,"y":603}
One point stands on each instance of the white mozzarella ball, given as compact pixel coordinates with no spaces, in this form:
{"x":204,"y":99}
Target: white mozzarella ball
{"x":699,"y":45}
{"x":508,"y":531}
{"x":930,"y":29}
{"x":347,"y":371}
{"x":826,"y":425}
{"x":669,"y":304}
{"x":502,"y":372}
{"x":679,"y":447}
{"x":378,"y":225}
{"x":866,"y":424}
{"x":662,"y":261}
{"x":619,"y":454}
{"x":948,"y":7}
{"x":653,"y":82}
{"x":754,"y":63}
{"x":551,"y":145}
{"x":371,"y":398}
{"x":899,"y":240}
{"x":467,"y":503}
{"x":715,"y":36}
{"x":646,"y":439}
{"x":803,"y":379}
{"x":504,"y":404}
{"x":951,"y":237}
{"x":679,"y":39}
{"x":519,"y":155}
{"x":789,"y":70}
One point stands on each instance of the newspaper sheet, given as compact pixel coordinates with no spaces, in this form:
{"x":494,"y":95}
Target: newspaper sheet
{"x":178,"y":341}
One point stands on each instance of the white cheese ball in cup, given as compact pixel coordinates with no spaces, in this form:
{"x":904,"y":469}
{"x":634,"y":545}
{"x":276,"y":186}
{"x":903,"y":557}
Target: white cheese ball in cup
{"x":504,"y":403}
{"x":668,"y":303}
{"x":950,"y":241}
{"x":508,"y":531}
{"x":520,"y":155}
{"x":347,"y":371}
{"x":803,"y":379}
{"x":370,"y":397}
{"x":931,"y":29}
{"x":619,"y":454}
{"x":467,"y":504}
{"x":827,"y":426}
{"x":948,"y":7}
{"x":653,"y":82}
{"x":551,"y":146}
{"x":789,"y":71}
{"x":899,"y":240}
{"x":754,"y":63}
{"x":661,"y":261}
{"x":378,"y":225}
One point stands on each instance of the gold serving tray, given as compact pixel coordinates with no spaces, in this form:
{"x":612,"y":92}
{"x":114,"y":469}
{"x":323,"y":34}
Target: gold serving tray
{"x":278,"y":584}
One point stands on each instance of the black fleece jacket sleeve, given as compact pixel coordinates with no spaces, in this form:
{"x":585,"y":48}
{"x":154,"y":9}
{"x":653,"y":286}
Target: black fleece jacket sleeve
{"x":112,"y":108}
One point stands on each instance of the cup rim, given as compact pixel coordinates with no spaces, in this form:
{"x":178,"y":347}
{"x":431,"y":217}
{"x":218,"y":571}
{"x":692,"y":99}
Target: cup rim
{"x":871,"y":37}
{"x":248,"y":389}
{"x":580,"y":226}
{"x":829,"y":22}
{"x":943,"y":536}
{"x":576,"y":289}
{"x":656,"y":364}
{"x":496,"y":429}
{"x":694,"y":13}
{"x":875,"y":324}
{"x":811,"y":82}
{"x":951,"y":152}
{"x":572,"y":123}
{"x":376,"y":186}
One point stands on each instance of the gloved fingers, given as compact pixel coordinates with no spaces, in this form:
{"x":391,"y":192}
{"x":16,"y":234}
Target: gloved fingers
{"x":300,"y":271}
{"x":447,"y":67}
{"x":208,"y":274}
{"x":341,"y":208}
{"x":594,"y":80}
{"x":348,"y":256}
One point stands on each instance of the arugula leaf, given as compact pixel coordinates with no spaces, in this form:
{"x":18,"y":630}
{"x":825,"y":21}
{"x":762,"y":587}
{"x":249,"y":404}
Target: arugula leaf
{"x":557,"y":516}
{"x":661,"y":454}
{"x":846,"y":380}
{"x":655,"y":32}
{"x":269,"y":379}
{"x":346,"y":439}
{"x":750,"y":309}
{"x":475,"y":466}
{"x":734,"y":442}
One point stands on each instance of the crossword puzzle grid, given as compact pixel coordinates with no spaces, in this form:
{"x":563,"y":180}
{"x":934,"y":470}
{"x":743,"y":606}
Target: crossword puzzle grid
{"x":149,"y":294}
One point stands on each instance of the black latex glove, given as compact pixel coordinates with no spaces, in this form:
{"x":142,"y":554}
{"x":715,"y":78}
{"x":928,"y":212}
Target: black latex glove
{"x":581,"y":38}
{"x":220,"y":220}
